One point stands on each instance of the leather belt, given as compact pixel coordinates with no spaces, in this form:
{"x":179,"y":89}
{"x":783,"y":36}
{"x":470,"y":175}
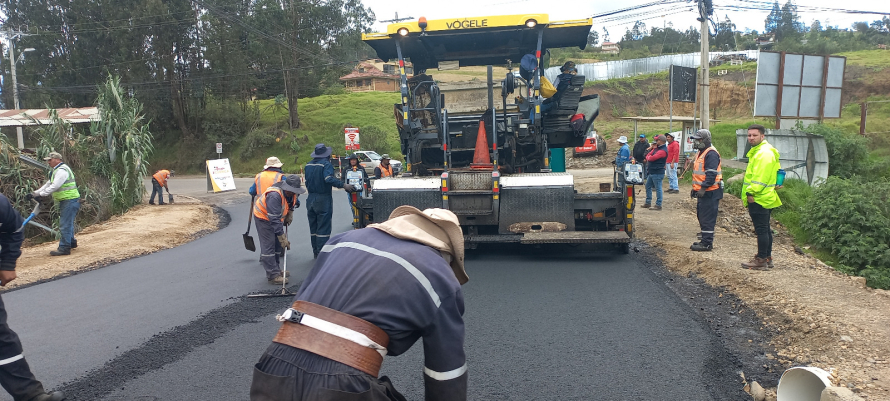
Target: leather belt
{"x":334,"y":335}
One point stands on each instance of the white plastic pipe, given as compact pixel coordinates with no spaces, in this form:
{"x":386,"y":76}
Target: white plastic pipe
{"x":802,"y":383}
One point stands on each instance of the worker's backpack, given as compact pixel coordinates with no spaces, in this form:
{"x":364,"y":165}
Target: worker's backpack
{"x":577,"y":122}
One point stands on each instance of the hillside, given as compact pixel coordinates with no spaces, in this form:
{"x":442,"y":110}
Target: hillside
{"x":867,"y":77}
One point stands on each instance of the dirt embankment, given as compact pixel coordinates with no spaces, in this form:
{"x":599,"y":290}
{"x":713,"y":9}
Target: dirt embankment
{"x":811,"y":314}
{"x":649,"y":97}
{"x":142,"y":230}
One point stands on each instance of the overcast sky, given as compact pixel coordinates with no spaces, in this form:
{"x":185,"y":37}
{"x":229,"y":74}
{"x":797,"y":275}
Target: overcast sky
{"x":686,"y":17}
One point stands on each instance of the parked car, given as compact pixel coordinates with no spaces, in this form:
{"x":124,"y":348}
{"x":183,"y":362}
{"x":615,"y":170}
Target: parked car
{"x":369,"y":159}
{"x":594,"y":144}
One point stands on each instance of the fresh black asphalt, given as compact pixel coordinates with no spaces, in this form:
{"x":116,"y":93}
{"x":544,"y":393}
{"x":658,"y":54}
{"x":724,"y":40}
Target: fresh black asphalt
{"x":542,"y":324}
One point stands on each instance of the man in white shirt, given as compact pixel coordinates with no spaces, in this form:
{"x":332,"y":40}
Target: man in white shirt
{"x":63,"y":188}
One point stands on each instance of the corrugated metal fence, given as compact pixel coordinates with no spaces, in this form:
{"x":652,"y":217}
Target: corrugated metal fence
{"x":650,"y":65}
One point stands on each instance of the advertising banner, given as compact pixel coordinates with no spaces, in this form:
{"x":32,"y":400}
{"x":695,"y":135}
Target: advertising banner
{"x":219,"y":176}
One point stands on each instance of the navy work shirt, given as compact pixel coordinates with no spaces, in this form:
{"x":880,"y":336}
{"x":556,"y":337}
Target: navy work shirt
{"x":10,"y":240}
{"x":320,"y":177}
{"x":403,"y":287}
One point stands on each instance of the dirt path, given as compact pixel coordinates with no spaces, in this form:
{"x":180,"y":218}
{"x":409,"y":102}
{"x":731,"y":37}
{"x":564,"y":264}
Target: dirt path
{"x":142,"y":230}
{"x":822,"y":318}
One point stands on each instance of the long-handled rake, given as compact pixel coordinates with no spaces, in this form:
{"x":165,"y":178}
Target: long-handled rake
{"x":283,"y":292}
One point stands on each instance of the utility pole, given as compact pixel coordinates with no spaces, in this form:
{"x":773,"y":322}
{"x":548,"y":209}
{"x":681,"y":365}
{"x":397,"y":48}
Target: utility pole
{"x":15,"y":90}
{"x":15,"y":85}
{"x":705,"y":9}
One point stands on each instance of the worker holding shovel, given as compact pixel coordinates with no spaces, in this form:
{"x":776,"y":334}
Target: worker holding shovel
{"x":15,"y":374}
{"x":270,"y":212}
{"x":159,"y":184}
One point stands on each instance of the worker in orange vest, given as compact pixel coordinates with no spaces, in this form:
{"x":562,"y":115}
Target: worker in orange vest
{"x":269,"y":213}
{"x":158,"y":184}
{"x":707,"y":186}
{"x":271,"y":174}
{"x":384,"y":169}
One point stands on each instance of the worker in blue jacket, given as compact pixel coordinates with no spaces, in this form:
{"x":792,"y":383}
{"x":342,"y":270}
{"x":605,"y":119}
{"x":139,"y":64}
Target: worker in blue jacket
{"x":320,"y":179}
{"x":15,"y":374}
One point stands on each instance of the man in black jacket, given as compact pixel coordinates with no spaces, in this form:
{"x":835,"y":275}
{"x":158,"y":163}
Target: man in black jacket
{"x":15,"y":374}
{"x":640,"y":150}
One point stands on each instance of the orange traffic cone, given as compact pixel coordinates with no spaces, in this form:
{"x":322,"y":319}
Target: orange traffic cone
{"x":481,"y":159}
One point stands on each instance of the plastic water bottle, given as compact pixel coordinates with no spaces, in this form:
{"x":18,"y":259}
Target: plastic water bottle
{"x":780,"y":177}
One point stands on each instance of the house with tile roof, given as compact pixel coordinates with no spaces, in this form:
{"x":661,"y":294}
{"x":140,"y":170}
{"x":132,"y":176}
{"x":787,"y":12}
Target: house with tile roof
{"x":374,"y":75}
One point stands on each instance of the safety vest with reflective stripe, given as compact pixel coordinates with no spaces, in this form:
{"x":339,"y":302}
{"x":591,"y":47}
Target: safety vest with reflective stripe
{"x":385,"y":171}
{"x":699,"y":172}
{"x":259,"y":207}
{"x":760,"y":176}
{"x":161,"y":176}
{"x":68,"y":190}
{"x":265,"y":179}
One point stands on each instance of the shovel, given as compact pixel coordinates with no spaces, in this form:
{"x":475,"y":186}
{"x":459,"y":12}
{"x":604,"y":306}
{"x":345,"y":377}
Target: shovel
{"x":31,"y":216}
{"x":248,"y":240}
{"x":169,"y":196}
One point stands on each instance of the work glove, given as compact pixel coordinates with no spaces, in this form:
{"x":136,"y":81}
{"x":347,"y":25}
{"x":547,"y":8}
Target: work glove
{"x":700,"y":193}
{"x":349,"y":187}
{"x":284,"y":242}
{"x":29,"y":197}
{"x":289,"y":218}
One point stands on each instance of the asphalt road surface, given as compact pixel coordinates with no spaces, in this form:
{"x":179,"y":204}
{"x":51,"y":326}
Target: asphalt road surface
{"x":541,"y":324}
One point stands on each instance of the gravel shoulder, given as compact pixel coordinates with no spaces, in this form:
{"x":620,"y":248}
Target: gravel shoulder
{"x":144,"y":229}
{"x":808,"y":313}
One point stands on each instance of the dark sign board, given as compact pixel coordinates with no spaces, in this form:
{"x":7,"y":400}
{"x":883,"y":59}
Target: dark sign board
{"x":683,"y":83}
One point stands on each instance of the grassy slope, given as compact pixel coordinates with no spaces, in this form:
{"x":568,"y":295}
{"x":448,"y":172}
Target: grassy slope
{"x":322,"y":118}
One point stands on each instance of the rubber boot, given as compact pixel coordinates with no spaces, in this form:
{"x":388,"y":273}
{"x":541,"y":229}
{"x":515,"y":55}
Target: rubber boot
{"x":54,"y":396}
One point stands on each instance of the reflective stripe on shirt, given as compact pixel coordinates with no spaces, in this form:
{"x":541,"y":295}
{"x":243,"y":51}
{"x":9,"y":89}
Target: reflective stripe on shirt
{"x":395,"y":258}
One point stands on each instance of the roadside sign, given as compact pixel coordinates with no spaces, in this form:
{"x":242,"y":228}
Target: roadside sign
{"x":219,"y":176}
{"x":218,"y":147}
{"x":351,"y":136}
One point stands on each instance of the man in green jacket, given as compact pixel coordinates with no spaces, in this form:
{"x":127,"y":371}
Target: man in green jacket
{"x":759,"y":194}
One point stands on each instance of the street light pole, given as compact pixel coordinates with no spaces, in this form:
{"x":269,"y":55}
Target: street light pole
{"x":705,"y":63}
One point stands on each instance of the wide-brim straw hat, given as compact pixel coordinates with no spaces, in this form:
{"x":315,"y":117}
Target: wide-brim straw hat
{"x":273,"y":162}
{"x":448,"y":222}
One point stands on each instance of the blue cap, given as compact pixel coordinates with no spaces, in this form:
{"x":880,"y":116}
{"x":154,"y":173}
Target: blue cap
{"x":642,"y":135}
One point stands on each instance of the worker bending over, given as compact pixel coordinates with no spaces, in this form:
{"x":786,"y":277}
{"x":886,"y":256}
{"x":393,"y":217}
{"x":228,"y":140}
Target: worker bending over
{"x":374,"y":292}
{"x":271,"y":212}
{"x":159,"y":184}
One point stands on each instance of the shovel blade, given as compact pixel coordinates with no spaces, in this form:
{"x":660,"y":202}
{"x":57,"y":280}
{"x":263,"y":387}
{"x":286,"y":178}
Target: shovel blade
{"x":248,"y":243}
{"x":170,"y":198}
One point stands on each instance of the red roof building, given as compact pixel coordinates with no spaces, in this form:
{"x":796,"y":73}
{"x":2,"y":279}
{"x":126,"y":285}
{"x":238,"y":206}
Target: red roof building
{"x":373,"y":75}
